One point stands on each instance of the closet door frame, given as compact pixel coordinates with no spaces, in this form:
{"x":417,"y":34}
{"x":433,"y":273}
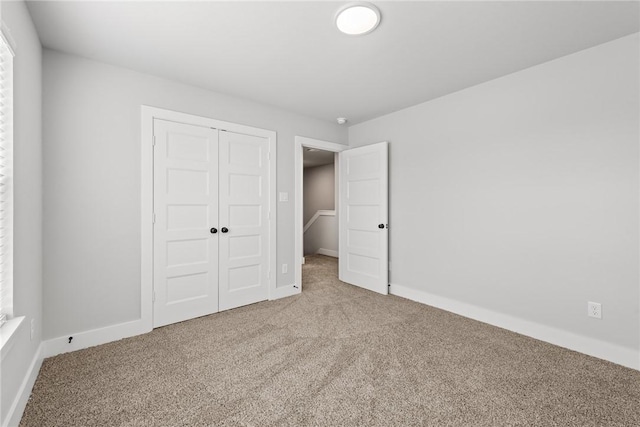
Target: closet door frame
{"x":149,"y":114}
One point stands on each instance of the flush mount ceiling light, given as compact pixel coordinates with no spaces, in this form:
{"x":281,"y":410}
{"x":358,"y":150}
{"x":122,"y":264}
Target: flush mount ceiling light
{"x":357,"y":18}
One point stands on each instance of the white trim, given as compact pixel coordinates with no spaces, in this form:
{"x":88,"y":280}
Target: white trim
{"x":5,"y":33}
{"x":15,"y":412}
{"x":327,"y":252}
{"x":8,"y":332}
{"x":93,"y":337}
{"x":336,"y":180}
{"x":7,"y":195}
{"x":315,"y":217}
{"x":300,"y":142}
{"x":593,"y":347}
{"x":148,"y":114}
{"x":273,"y":216}
{"x":146,"y":219}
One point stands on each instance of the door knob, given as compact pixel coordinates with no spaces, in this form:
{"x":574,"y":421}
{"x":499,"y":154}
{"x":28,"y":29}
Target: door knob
{"x":380,"y":225}
{"x":213,"y":230}
{"x":224,"y":229}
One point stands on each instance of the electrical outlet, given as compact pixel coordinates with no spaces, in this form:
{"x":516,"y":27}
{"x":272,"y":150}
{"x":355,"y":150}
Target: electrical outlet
{"x":33,"y":328}
{"x":284,"y":197}
{"x":594,"y":309}
{"x":285,"y":268}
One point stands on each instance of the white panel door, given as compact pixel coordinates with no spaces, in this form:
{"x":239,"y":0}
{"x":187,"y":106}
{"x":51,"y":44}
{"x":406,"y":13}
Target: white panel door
{"x":363,"y":211}
{"x":244,"y":219}
{"x":186,"y":209}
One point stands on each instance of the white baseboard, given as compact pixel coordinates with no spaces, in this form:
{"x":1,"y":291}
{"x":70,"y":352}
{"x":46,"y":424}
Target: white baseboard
{"x":593,"y":347}
{"x":285,"y":291}
{"x":94,"y":337}
{"x":14,"y":415}
{"x":327,"y":252}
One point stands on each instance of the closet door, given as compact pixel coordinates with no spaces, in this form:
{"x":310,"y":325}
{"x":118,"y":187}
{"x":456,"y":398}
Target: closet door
{"x":186,"y":209}
{"x":244,"y":219}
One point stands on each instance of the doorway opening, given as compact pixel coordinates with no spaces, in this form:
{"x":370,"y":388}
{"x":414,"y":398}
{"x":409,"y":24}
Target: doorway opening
{"x":316,"y":220}
{"x":320,"y":233}
{"x":319,"y":200}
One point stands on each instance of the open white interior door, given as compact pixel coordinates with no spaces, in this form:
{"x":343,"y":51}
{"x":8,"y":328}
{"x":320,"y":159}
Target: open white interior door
{"x":363,"y":211}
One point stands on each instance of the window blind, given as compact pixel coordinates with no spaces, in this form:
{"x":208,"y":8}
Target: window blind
{"x":6,"y":180}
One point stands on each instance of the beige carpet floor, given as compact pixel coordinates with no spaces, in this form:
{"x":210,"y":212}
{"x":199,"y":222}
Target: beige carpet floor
{"x":335,"y":355}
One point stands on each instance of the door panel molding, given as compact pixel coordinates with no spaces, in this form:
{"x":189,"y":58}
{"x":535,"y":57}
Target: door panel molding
{"x":148,"y":114}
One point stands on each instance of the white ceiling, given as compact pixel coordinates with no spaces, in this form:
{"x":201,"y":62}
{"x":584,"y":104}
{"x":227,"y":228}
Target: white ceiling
{"x":289,"y":54}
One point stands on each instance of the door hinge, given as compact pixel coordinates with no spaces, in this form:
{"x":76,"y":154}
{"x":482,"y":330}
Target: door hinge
{"x":153,"y":218}
{"x":153,"y":142}
{"x":268,"y":155}
{"x":153,"y":298}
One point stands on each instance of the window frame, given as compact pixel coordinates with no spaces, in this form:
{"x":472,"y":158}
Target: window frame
{"x":7,"y":55}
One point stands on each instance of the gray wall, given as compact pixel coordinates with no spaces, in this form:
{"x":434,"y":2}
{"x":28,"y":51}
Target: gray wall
{"x":318,"y":190}
{"x":520,"y":195}
{"x":92,"y":182}
{"x":322,"y":237}
{"x":27,"y":269}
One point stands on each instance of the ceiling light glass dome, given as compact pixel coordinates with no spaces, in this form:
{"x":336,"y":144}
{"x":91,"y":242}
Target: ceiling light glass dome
{"x":357,"y":18}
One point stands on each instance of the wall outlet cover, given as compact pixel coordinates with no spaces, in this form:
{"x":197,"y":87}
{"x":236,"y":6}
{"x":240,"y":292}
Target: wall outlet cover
{"x":594,"y":309}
